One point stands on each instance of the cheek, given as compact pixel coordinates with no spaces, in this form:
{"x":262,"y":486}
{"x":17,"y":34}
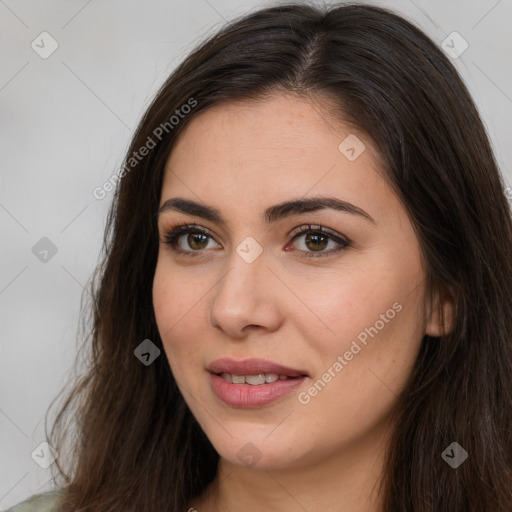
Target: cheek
{"x":361,"y":367}
{"x":177,"y":305}
{"x":371,"y":317}
{"x":343,"y":304}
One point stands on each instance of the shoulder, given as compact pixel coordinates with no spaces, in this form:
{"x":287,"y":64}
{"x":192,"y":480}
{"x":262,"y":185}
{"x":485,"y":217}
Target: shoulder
{"x":45,"y":502}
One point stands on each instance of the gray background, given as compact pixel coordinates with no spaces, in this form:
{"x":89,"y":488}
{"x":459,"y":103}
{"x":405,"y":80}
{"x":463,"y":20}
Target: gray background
{"x":67,"y":121}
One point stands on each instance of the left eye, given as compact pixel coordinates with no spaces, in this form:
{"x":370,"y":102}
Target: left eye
{"x":315,"y":240}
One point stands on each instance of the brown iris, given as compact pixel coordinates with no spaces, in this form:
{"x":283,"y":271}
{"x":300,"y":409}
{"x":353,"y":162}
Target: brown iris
{"x":314,"y":237}
{"x":194,"y":238}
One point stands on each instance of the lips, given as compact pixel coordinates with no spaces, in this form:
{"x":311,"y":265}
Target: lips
{"x":253,"y":367}
{"x":253,"y":382}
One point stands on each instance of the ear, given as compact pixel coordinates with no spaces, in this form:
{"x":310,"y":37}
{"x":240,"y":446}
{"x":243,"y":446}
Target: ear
{"x":441,"y":311}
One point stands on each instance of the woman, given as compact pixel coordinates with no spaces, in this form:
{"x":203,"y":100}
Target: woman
{"x":305,"y":301}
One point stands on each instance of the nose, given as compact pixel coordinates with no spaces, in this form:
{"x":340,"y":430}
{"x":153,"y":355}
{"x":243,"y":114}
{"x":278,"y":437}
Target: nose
{"x":246,"y":298}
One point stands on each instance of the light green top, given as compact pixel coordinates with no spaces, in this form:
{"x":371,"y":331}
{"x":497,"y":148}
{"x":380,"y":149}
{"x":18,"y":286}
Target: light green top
{"x":46,"y":502}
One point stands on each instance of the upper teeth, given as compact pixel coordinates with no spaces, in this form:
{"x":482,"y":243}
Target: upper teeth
{"x":255,"y":380}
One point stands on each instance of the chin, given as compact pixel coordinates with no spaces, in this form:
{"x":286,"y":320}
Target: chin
{"x":257,"y":451}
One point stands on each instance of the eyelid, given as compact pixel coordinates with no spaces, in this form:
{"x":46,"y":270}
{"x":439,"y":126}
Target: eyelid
{"x":317,"y":228}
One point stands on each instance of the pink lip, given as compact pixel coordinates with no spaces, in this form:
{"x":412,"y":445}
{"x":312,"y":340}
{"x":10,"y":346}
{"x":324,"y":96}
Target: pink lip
{"x":247,"y":395}
{"x":252,"y":367}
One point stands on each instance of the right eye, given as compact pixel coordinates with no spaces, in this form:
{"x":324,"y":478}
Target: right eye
{"x":196,"y":240}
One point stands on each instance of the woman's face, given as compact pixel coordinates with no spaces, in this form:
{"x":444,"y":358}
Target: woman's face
{"x":343,"y":311}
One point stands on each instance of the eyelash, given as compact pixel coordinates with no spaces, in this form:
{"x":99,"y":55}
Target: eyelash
{"x":174,"y":233}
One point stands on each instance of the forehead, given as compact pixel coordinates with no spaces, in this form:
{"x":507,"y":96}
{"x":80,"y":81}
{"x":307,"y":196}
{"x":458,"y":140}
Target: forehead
{"x":288,"y":125}
{"x":266,"y":151}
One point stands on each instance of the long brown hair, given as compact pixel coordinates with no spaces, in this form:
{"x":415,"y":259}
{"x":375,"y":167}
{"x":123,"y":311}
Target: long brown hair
{"x":135,"y":444}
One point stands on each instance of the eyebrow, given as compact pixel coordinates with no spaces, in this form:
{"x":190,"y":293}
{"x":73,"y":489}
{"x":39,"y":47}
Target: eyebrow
{"x":271,"y":214}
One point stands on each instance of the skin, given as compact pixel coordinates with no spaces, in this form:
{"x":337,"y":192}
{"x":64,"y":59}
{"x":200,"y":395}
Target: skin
{"x":242,"y":157}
